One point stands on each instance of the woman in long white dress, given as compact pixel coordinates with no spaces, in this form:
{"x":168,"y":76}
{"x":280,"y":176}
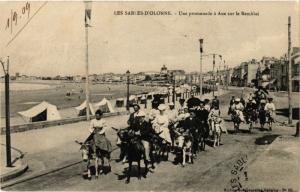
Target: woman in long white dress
{"x":161,"y":123}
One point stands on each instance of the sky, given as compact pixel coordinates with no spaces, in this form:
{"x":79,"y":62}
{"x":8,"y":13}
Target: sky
{"x":53,"y":41}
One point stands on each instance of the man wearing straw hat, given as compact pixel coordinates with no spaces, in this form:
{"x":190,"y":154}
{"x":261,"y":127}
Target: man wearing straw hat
{"x":132,"y":121}
{"x":146,"y":132}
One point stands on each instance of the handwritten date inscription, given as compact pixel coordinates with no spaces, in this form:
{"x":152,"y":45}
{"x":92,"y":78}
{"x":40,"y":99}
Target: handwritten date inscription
{"x":15,"y":16}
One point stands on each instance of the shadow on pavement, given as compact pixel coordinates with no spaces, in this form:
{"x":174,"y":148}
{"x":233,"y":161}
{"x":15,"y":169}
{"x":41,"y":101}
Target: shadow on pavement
{"x":242,"y":131}
{"x":133,"y":173}
{"x":285,"y":112}
{"x":265,"y":140}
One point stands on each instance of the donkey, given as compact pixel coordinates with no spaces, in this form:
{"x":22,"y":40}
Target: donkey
{"x":217,"y":131}
{"x":88,"y":155}
{"x":134,"y":150}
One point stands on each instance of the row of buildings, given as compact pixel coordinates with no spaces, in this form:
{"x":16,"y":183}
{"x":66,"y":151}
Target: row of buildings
{"x":269,"y":72}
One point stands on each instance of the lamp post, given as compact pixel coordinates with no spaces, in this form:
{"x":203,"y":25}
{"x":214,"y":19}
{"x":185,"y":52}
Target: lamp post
{"x":7,"y":114}
{"x":200,"y":78}
{"x":128,"y":81}
{"x":289,"y":72}
{"x":213,"y":71}
{"x":173,"y":81}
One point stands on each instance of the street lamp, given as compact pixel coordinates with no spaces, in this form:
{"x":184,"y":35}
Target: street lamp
{"x":128,"y":81}
{"x":200,"y":78}
{"x":7,"y":115}
{"x":214,"y":63}
{"x":174,"y":84}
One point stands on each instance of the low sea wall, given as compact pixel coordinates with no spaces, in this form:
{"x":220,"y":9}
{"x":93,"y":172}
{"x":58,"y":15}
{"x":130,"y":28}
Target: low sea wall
{"x":45,"y":124}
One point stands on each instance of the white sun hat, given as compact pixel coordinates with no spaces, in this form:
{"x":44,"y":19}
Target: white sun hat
{"x":171,"y":104}
{"x":162,"y":107}
{"x":141,"y":114}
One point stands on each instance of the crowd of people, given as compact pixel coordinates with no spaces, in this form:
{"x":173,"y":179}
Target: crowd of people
{"x":187,"y":128}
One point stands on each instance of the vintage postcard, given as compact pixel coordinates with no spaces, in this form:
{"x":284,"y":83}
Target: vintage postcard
{"x":150,"y":96}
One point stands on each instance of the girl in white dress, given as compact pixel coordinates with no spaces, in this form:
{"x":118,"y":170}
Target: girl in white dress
{"x":161,"y":123}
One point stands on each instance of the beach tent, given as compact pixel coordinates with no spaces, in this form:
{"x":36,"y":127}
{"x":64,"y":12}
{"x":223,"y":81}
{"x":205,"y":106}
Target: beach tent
{"x":120,"y":102}
{"x":105,"y":106}
{"x":132,"y":100}
{"x":81,"y":109}
{"x":139,"y":97}
{"x":41,"y":112}
{"x":132,"y":97}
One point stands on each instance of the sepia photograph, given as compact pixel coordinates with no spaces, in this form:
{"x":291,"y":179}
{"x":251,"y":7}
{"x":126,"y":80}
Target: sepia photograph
{"x":150,"y":96}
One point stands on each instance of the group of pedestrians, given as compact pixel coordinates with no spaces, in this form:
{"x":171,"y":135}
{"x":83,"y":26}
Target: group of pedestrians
{"x":258,"y":106}
{"x":196,"y":119}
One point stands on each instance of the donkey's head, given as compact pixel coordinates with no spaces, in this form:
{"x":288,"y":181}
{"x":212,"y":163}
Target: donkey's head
{"x":86,"y":150}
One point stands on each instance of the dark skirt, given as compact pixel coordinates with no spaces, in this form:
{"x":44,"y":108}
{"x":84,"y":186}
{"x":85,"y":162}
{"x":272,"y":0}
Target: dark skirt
{"x":102,"y":143}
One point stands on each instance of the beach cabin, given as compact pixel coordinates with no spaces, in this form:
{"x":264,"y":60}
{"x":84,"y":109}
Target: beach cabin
{"x":120,"y":102}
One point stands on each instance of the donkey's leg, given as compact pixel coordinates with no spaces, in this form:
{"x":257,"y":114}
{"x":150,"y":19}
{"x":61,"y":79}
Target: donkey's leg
{"x":183,"y":157}
{"x":146,"y":167}
{"x":129,"y":171}
{"x":89,"y":170}
{"x":102,"y":164}
{"x":167,"y":151}
{"x":108,"y":161}
{"x":96,"y":167}
{"x":124,"y":159}
{"x":139,"y":169}
{"x":215,"y":139}
{"x":203,"y":143}
{"x":151,"y":155}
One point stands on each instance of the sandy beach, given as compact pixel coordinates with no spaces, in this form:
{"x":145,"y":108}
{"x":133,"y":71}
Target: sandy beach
{"x":24,"y":95}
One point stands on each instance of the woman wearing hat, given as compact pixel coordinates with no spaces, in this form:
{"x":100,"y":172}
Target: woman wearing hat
{"x":154,"y":111}
{"x":161,"y":123}
{"x":238,"y":107}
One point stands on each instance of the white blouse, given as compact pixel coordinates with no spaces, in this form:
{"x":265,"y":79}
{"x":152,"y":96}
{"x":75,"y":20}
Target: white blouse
{"x":160,"y":122}
{"x":99,"y":124}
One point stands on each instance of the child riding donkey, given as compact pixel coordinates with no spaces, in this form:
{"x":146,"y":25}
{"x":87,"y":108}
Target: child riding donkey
{"x":96,"y":147}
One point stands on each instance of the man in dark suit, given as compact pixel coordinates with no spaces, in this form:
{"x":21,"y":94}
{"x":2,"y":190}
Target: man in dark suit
{"x":215,"y":102}
{"x":203,"y":128}
{"x":191,"y":126}
{"x":133,"y":120}
{"x":193,"y":101}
